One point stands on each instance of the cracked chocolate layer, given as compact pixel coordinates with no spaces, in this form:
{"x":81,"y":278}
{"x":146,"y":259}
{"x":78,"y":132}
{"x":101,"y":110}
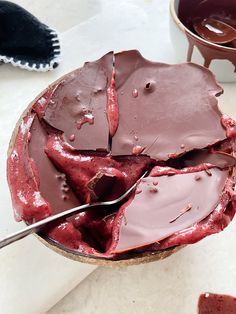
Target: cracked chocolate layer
{"x":92,"y":134}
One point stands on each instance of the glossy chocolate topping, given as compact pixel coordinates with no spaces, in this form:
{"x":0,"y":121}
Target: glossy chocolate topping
{"x":166,"y":204}
{"x":164,"y":120}
{"x":211,"y":303}
{"x":168,"y":114}
{"x":78,"y":105}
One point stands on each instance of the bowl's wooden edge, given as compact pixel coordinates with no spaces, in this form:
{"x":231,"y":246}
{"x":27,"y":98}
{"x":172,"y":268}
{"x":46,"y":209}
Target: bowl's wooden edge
{"x":142,"y":258}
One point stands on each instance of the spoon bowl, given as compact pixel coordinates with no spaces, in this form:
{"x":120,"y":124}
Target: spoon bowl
{"x":215,"y":31}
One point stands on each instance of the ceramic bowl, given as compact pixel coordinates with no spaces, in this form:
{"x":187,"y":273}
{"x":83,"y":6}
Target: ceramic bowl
{"x":221,"y":60}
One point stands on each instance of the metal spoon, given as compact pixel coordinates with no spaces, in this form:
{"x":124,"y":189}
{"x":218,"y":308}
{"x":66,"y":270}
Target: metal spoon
{"x":79,"y":209}
{"x":215,"y":31}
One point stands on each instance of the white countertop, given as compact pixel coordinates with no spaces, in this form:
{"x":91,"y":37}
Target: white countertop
{"x":172,"y":285}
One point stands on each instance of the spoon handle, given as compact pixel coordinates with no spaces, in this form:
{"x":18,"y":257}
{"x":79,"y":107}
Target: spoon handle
{"x":35,"y":227}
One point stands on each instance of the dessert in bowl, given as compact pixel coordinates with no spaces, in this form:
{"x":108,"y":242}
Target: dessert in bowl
{"x":191,"y":46}
{"x":92,"y":134}
{"x":216,"y":303}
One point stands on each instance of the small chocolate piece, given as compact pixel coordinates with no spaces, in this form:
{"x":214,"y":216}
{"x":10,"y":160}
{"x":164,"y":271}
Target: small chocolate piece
{"x":99,"y":184}
{"x":153,"y":217}
{"x":165,"y":116}
{"x":107,"y":181}
{"x":78,"y":105}
{"x":211,"y":303}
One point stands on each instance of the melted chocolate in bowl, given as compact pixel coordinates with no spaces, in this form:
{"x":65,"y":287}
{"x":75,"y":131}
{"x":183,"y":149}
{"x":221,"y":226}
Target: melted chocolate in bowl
{"x":144,"y":118}
{"x":215,"y":31}
{"x":191,"y":11}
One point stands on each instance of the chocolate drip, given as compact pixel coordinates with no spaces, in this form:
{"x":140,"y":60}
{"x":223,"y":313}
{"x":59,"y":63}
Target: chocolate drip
{"x":209,"y":52}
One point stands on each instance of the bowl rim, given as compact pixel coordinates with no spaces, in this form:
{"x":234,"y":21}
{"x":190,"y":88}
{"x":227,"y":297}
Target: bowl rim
{"x":184,"y":29}
{"x":136,"y":259}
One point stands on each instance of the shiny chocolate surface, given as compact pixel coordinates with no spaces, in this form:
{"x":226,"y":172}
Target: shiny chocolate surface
{"x":92,"y":135}
{"x":167,"y":204}
{"x":164,"y":120}
{"x":78,"y":105}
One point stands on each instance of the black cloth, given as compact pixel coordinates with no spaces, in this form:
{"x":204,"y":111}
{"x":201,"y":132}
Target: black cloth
{"x":24,"y":40}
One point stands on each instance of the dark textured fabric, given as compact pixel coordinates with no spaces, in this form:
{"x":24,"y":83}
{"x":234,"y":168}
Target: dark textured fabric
{"x":23,"y":37}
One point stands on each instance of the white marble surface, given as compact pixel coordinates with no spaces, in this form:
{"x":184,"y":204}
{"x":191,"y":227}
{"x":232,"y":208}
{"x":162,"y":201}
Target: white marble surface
{"x":60,"y":14}
{"x":172,"y":285}
{"x":32,"y":277}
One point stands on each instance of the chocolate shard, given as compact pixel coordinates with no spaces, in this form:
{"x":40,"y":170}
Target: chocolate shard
{"x":164,"y":109}
{"x":151,"y":217}
{"x":78,"y":105}
{"x":190,"y":11}
{"x":105,"y":182}
{"x":99,"y":183}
